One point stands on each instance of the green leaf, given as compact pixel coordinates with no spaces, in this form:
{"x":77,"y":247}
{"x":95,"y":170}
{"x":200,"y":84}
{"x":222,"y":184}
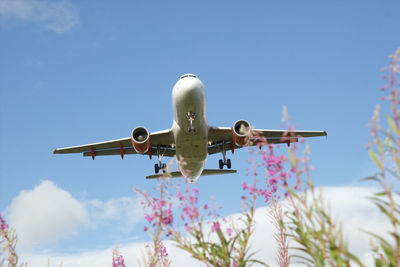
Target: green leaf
{"x":380,"y":194}
{"x":375,"y":159}
{"x":393,"y":125}
{"x":292,"y":157}
{"x":370,"y":178}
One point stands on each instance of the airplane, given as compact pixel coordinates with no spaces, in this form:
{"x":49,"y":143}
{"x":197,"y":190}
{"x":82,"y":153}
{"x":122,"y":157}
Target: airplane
{"x":190,"y":138}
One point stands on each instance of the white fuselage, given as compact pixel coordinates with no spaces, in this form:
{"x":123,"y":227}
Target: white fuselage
{"x":190,"y":126}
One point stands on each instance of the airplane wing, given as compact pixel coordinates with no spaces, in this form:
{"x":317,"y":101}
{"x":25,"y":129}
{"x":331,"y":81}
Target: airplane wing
{"x":222,"y":136}
{"x":123,"y":146}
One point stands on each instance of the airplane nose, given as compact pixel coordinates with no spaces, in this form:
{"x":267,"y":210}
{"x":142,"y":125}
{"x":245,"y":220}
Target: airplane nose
{"x":190,"y":84}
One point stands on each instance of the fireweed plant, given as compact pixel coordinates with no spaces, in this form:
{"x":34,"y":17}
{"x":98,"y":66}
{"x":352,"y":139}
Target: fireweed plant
{"x":384,"y":150}
{"x":317,"y":237}
{"x":174,"y":212}
{"x":8,"y":242}
{"x":118,"y":259}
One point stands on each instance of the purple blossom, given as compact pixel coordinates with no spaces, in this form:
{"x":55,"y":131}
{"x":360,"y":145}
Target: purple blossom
{"x":190,"y":212}
{"x":192,"y":199}
{"x":168,"y":217}
{"x":188,"y":227}
{"x":179,"y":196}
{"x":244,"y":186}
{"x":163,"y":251}
{"x":229,"y":231}
{"x":272,"y":181}
{"x":150,"y":217}
{"x":3,"y":223}
{"x":118,"y":261}
{"x":215,"y":227}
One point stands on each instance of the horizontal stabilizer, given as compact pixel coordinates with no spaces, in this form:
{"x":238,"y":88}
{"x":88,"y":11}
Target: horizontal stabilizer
{"x":179,"y":174}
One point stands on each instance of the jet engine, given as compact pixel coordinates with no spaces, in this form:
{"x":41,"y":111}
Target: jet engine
{"x":140,"y":139}
{"x":241,"y":132}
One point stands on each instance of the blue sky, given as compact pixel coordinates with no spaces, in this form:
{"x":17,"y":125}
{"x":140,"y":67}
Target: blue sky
{"x":74,"y":72}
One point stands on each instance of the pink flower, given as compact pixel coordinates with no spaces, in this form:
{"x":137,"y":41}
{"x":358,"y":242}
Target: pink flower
{"x":195,"y":191}
{"x":215,"y":227}
{"x":146,"y":228}
{"x":118,"y":261}
{"x":229,"y":231}
{"x":244,"y":186}
{"x":274,"y":188}
{"x":3,"y":223}
{"x":163,"y":251}
{"x":192,"y":199}
{"x":205,"y":206}
{"x":179,"y":196}
{"x":190,"y":212}
{"x":150,"y":217}
{"x":161,"y":203}
{"x":168,"y":217}
{"x":188,"y":227}
{"x":272,"y":181}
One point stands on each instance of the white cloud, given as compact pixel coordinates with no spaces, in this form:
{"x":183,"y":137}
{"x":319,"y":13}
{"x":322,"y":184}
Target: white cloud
{"x":124,"y":212}
{"x":57,"y":16}
{"x":45,"y":214}
{"x":349,"y":204}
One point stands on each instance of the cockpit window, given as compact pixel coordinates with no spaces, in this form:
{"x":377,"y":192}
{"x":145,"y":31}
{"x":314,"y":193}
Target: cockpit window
{"x":188,"y":75}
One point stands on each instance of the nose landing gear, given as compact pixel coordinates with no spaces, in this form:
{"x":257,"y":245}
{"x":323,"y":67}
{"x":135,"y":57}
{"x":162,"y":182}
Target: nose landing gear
{"x":191,"y":116}
{"x":225,"y":161}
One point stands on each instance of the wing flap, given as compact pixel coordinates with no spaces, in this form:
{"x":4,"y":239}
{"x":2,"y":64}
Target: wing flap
{"x":220,"y":135}
{"x":127,"y":150}
{"x":113,"y":147}
{"x":218,"y":147}
{"x":288,"y":133}
{"x":96,"y":146}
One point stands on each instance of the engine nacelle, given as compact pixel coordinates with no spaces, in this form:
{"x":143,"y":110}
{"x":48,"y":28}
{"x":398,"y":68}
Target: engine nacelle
{"x":140,"y":139}
{"x":241,"y":131}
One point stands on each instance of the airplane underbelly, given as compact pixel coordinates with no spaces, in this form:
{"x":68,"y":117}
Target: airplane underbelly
{"x":191,"y":151}
{"x":191,"y":170}
{"x":191,"y":146}
{"x":190,"y":127}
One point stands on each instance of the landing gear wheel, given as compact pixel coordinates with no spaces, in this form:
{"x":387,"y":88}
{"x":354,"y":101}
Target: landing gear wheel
{"x":156,"y":168}
{"x":164,"y":167}
{"x":221,"y":164}
{"x":228,"y":163}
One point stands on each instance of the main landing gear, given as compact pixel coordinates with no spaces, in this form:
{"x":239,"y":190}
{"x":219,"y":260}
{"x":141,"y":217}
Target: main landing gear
{"x":225,"y":161}
{"x":160,"y":165}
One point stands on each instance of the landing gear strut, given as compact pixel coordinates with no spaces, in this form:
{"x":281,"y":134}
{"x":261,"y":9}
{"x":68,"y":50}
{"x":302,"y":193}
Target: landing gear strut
{"x":191,"y":116}
{"x":225,"y":161}
{"x":160,"y":165}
